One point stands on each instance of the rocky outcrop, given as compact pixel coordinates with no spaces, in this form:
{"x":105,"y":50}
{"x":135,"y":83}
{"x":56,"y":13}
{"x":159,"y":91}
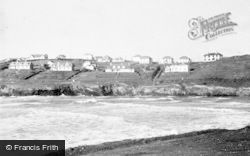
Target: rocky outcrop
{"x":124,"y":90}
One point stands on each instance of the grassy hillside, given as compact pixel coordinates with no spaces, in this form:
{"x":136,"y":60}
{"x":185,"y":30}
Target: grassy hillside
{"x":232,"y":71}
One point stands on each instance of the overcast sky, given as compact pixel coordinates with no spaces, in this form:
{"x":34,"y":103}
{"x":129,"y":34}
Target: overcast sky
{"x":123,"y":28}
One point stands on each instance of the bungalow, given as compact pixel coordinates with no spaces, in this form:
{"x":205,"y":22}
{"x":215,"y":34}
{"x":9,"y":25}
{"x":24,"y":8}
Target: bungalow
{"x":177,"y":68}
{"x":88,"y":56}
{"x":21,"y":65}
{"x":88,"y":65}
{"x":212,"y":57}
{"x":119,"y":59}
{"x":38,"y":57}
{"x":120,"y":67}
{"x":62,"y":66}
{"x":184,"y":60}
{"x":167,"y":60}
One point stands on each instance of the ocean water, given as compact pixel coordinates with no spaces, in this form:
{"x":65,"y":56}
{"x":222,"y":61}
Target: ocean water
{"x":92,"y":120}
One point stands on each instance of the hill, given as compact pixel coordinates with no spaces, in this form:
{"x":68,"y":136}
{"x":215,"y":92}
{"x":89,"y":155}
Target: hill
{"x":227,"y":72}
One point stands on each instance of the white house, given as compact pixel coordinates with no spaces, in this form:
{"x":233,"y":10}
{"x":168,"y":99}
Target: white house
{"x":212,"y":57}
{"x":184,"y":60}
{"x":145,"y":60}
{"x":21,"y":65}
{"x":136,"y":58}
{"x":177,"y":68}
{"x":88,"y":65}
{"x":142,"y":59}
{"x":62,"y":66}
{"x":119,"y":59}
{"x":120,"y":67}
{"x":167,"y":60}
{"x":88,"y":56}
{"x":38,"y":57}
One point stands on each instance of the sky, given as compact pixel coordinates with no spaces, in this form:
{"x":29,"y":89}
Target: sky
{"x":118,"y":28}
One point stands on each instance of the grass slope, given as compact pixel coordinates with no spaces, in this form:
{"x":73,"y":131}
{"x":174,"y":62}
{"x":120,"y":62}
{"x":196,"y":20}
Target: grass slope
{"x":208,"y":142}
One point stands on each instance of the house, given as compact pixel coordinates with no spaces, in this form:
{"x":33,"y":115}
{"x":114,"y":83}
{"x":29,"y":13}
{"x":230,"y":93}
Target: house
{"x":38,"y":57}
{"x":145,"y":60}
{"x":21,"y":65}
{"x":62,"y":66}
{"x":136,"y":58}
{"x":184,"y":60}
{"x":88,"y":65}
{"x":212,"y":57}
{"x":119,"y":59}
{"x":167,"y":60}
{"x":50,"y":63}
{"x":120,"y":67}
{"x":104,"y":59}
{"x":61,"y":57}
{"x":177,"y":68}
{"x":88,"y":56}
{"x":142,"y":59}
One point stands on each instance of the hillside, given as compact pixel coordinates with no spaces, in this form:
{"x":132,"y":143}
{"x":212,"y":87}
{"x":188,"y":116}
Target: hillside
{"x":227,"y":72}
{"x":232,"y":71}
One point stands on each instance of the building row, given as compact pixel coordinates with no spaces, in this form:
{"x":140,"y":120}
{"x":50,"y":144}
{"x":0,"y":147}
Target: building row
{"x":53,"y":66}
{"x":137,"y":58}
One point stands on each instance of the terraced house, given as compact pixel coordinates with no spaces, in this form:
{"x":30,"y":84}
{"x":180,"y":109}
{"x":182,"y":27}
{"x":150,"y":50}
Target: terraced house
{"x":177,"y":68}
{"x":21,"y":65}
{"x":62,"y":66}
{"x":212,"y":57}
{"x":120,"y":67}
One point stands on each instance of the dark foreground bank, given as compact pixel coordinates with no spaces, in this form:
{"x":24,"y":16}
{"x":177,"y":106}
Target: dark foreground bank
{"x":208,"y":142}
{"x":121,"y":89}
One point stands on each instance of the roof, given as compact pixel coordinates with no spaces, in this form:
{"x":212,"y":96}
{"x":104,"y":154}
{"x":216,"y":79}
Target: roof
{"x":167,"y":57}
{"x":137,"y":56}
{"x":106,"y":57}
{"x":209,"y":54}
{"x":61,"y":56}
{"x":38,"y":55}
{"x":88,"y":54}
{"x":146,"y":57}
{"x":62,"y":64}
{"x":184,"y":57}
{"x":18,"y":63}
